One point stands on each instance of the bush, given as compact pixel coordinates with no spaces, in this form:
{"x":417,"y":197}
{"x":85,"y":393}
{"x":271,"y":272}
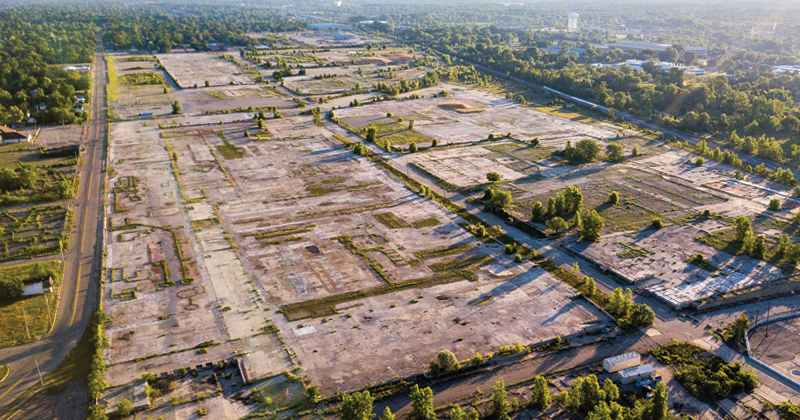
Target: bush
{"x":613,"y":198}
{"x":657,"y":223}
{"x":11,"y":288}
{"x":518,"y":258}
{"x":699,"y":161}
{"x":774,"y":204}
{"x":447,"y":361}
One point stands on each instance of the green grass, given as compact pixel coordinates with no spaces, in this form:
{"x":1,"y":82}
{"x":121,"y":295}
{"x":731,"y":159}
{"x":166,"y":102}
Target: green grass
{"x":216,"y":94}
{"x":631,"y":251}
{"x":431,"y":221}
{"x":231,"y":151}
{"x":112,"y":89}
{"x":443,"y":251}
{"x":391,"y":221}
{"x":35,"y":307}
{"x":460,"y":263}
{"x":140,"y":79}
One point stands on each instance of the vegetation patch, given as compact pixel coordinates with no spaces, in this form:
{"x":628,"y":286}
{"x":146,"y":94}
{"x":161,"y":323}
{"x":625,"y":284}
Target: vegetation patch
{"x":707,"y":377}
{"x":391,"y":221}
{"x":39,"y":311}
{"x":231,"y":151}
{"x":429,"y":222}
{"x":284,"y":231}
{"x":141,"y":79}
{"x":443,"y":251}
{"x":631,"y":251}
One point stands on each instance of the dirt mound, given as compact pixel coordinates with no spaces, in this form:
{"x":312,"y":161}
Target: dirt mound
{"x":459,"y":107}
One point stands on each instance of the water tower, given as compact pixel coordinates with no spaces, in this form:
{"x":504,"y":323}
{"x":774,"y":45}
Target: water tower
{"x":572,"y":21}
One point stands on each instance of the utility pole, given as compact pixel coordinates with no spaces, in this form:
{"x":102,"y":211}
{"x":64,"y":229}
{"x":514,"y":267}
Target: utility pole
{"x":766,"y":326}
{"x":40,"y":372}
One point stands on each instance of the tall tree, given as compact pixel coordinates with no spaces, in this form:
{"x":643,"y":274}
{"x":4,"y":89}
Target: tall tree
{"x":540,"y":395}
{"x":658,"y":410}
{"x":592,"y":226}
{"x":499,"y":405}
{"x":356,"y":406}
{"x":421,"y":404}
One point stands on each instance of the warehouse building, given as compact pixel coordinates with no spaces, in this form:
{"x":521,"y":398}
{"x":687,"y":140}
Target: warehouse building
{"x":633,"y":374}
{"x":622,"y":361}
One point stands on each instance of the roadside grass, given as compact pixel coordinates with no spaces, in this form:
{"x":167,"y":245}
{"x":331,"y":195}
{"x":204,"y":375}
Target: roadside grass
{"x":112,"y":88}
{"x":391,"y":221}
{"x":216,"y":94}
{"x":13,"y":331}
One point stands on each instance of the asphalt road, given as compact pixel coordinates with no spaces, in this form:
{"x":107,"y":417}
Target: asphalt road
{"x":79,"y":290}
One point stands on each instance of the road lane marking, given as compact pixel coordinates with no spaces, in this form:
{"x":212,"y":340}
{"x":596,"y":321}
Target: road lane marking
{"x":80,"y":254}
{"x":12,"y":387}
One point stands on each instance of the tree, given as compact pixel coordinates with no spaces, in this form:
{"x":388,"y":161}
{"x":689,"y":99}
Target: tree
{"x":557,"y":224}
{"x":499,"y":405}
{"x":658,"y":410}
{"x":435,"y":143}
{"x":413,"y":148}
{"x":535,"y":142}
{"x":11,"y":288}
{"x":758,"y":249}
{"x":371,"y":133}
{"x":615,"y":152}
{"x":500,"y":200}
{"x":600,"y":412}
{"x":276,"y":114}
{"x":741,"y":225}
{"x":493,"y":177}
{"x":176,"y":108}
{"x":774,"y":204}
{"x":410,"y":124}
{"x":584,"y":151}
{"x":611,"y":390}
{"x":574,"y":395}
{"x":635,"y":150}
{"x":124,"y":408}
{"x":613,"y":198}
{"x":312,"y":393}
{"x":447,"y":361}
{"x":592,"y":226}
{"x":387,"y":415}
{"x":457,"y":414}
{"x":699,"y":161}
{"x":641,"y":315}
{"x":537,"y":212}
{"x":591,"y":394}
{"x":207,"y":83}
{"x":421,"y":404}
{"x":591,"y":287}
{"x":657,"y":223}
{"x":551,"y":206}
{"x":540,"y":394}
{"x":356,"y":406}
{"x":97,"y":412}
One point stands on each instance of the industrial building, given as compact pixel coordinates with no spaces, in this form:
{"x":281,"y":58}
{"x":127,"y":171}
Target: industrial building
{"x":572,"y":21}
{"x":633,"y":374}
{"x":9,"y":136}
{"x":622,"y":361}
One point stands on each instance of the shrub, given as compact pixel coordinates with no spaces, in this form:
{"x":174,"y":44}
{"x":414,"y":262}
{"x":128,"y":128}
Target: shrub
{"x":447,"y":361}
{"x":518,"y":258}
{"x":774,"y":204}
{"x":699,"y":161}
{"x":613,"y":198}
{"x":657,"y":223}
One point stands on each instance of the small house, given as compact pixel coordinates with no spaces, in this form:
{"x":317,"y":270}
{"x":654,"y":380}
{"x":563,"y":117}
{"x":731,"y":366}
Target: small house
{"x":622,"y":361}
{"x":630,"y":375}
{"x":10,"y":136}
{"x":37,"y":286}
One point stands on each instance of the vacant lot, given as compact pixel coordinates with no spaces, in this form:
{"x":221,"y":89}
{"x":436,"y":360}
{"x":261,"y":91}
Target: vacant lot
{"x":195,"y":69}
{"x":27,"y":318}
{"x":39,"y":176}
{"x":776,"y":345}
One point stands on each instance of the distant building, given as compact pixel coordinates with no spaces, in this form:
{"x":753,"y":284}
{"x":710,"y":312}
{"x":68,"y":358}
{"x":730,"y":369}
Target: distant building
{"x":638,"y":65}
{"x":217,"y":46}
{"x":37,"y":286}
{"x":10,"y":136}
{"x":572,"y":21}
{"x":622,"y":361}
{"x":791,"y":70}
{"x":557,"y":50}
{"x":79,"y":69}
{"x":327,"y":26}
{"x":630,"y":375}
{"x":642,"y":45}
